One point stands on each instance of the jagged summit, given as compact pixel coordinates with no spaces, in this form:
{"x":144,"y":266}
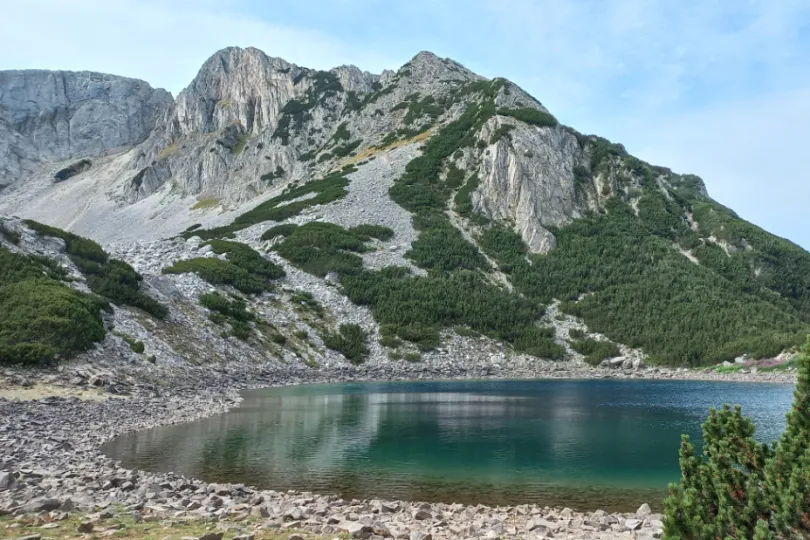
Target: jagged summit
{"x":426,"y":67}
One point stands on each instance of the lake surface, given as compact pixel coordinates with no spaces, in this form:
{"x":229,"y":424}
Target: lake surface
{"x":584,"y":444}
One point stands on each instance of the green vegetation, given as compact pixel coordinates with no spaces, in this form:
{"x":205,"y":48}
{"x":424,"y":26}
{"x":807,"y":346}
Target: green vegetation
{"x":247,"y":259}
{"x":463,"y":198}
{"x":426,"y":107}
{"x":208,"y":202}
{"x":414,"y":308}
{"x":350,"y":342}
{"x":41,"y":319}
{"x":441,"y":247}
{"x":285,"y":229}
{"x":232,"y":311}
{"x":269,"y":177}
{"x":346,"y":149}
{"x":239,"y":147}
{"x":320,"y":248}
{"x":740,"y":488}
{"x":367,"y":231}
{"x":244,"y":269}
{"x":341,"y":134}
{"x":499,"y":133}
{"x":575,"y":333}
{"x":110,"y":278}
{"x":305,"y":300}
{"x":531,"y":116}
{"x":134,"y":344}
{"x":331,"y":188}
{"x":72,"y":170}
{"x":646,"y":294}
{"x":595,"y":351}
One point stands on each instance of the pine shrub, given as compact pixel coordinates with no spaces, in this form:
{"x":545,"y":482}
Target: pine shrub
{"x":740,"y":488}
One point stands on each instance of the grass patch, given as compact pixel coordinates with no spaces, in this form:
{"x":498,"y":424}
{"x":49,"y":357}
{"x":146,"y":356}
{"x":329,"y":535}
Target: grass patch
{"x":209,"y":202}
{"x":134,"y":344}
{"x":168,"y":151}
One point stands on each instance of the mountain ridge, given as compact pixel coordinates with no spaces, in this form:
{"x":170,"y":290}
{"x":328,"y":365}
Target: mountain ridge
{"x":487,"y":202}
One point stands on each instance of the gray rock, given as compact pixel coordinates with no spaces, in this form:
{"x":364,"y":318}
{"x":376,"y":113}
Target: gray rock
{"x":58,"y":115}
{"x":633,"y":524}
{"x":419,"y":535}
{"x":356,"y":529}
{"x":6,"y":480}
{"x":643,"y":511}
{"x":212,"y":536}
{"x":41,"y":505}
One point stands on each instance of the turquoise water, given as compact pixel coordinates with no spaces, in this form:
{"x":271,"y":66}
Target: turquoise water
{"x":584,"y":444}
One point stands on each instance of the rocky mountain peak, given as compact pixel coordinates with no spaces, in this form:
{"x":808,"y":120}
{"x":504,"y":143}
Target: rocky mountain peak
{"x":426,"y":67}
{"x":236,"y":85}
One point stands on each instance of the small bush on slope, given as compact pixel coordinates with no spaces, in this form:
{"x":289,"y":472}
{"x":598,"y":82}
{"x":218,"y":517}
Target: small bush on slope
{"x":350,"y":342}
{"x":40,"y":318}
{"x":741,"y":488}
{"x":245,"y":269}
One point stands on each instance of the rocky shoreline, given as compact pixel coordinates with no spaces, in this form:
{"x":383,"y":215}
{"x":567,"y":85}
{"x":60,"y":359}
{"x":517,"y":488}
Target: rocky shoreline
{"x":51,"y":465}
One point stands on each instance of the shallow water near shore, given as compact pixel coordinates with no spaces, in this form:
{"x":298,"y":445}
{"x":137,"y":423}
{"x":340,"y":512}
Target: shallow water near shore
{"x":608,"y":444}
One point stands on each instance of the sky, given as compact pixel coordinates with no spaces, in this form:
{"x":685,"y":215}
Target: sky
{"x":717,"y":88}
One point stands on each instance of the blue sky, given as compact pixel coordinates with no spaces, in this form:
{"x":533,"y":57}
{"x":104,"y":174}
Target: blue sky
{"x":719,"y":88}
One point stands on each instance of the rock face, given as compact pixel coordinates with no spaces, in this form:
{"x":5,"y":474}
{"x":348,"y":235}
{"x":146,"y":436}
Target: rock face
{"x":57,"y":115}
{"x":528,"y":178}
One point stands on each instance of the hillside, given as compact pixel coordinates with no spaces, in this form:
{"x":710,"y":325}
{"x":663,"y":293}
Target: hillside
{"x":426,"y":210}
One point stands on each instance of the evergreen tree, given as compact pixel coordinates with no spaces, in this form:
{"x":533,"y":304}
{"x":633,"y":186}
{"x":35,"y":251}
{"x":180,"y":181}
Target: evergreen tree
{"x":740,"y":488}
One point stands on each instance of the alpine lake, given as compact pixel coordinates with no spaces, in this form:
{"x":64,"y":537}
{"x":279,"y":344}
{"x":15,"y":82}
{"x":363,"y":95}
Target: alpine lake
{"x":586,"y":444}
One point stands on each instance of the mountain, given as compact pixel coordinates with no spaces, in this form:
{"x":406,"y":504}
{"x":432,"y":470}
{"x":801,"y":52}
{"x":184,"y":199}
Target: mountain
{"x":427,"y":205}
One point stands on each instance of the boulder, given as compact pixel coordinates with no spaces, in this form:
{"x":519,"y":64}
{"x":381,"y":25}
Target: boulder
{"x":6,"y":480}
{"x":643,"y":511}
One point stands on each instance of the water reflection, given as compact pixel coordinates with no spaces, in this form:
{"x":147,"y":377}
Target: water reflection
{"x":580,"y":443}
